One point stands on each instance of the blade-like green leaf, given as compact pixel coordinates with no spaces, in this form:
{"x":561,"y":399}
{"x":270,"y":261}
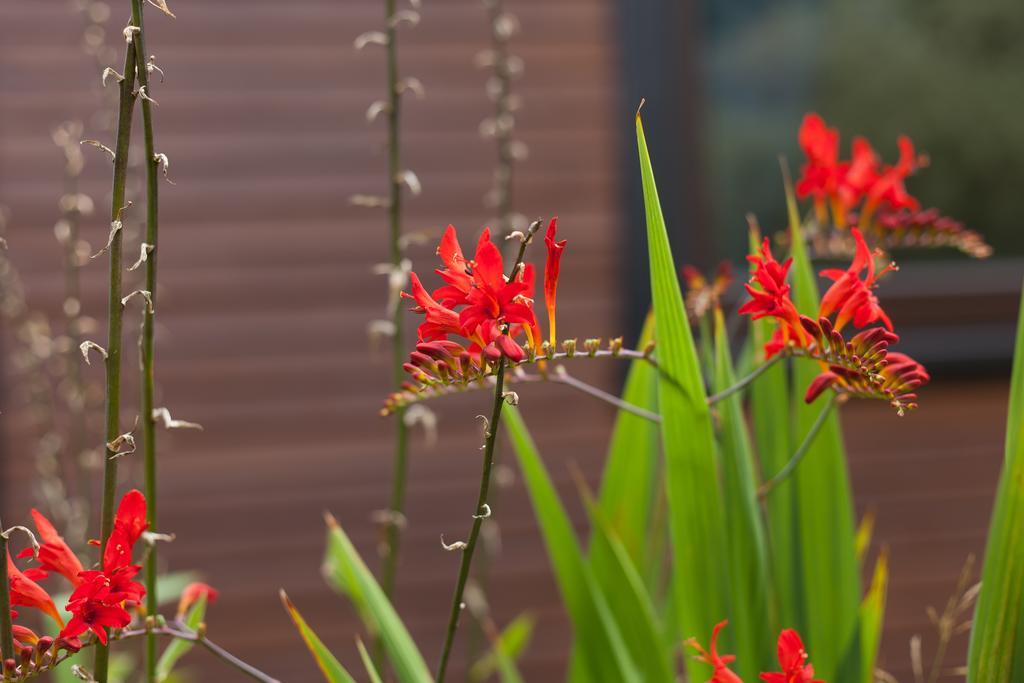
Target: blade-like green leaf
{"x":178,"y":648}
{"x":872,"y":616}
{"x":329,"y":665}
{"x":749,"y":575}
{"x":606,"y":657}
{"x":511,"y":642}
{"x":627,"y":595}
{"x":997,"y":639}
{"x":826,"y":545}
{"x":691,"y":479}
{"x":345,"y":571}
{"x":628,"y":483}
{"x":371,"y":668}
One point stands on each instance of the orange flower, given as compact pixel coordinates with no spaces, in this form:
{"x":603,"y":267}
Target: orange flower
{"x":792,"y":661}
{"x":551,"y":275}
{"x":193,"y":593}
{"x":849,"y":296}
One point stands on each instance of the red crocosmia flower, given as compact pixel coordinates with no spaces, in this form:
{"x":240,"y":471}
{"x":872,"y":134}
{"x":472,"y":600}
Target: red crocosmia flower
{"x":551,"y":266}
{"x":792,"y":658}
{"x":129,"y":523}
{"x":193,"y":593}
{"x":27,"y":593}
{"x":849,"y":296}
{"x":457,"y":271}
{"x":858,"y":176}
{"x":821,"y":145}
{"x":721,"y":673}
{"x":889,"y":188}
{"x":94,"y":609}
{"x":772,"y":299}
{"x":54,"y":553}
{"x":440,"y":320}
{"x":494,"y":302}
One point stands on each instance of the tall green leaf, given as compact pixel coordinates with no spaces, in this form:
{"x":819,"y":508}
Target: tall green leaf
{"x":749,"y":573}
{"x":872,"y":616}
{"x":630,"y":472}
{"x":604,"y":655}
{"x":329,"y":665}
{"x":691,"y":479}
{"x":628,"y":597}
{"x":345,"y":571}
{"x":508,"y":645}
{"x":997,"y":639}
{"x":826,"y":543}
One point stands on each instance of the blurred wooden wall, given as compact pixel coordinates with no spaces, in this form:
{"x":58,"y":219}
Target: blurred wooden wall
{"x":267,"y":290}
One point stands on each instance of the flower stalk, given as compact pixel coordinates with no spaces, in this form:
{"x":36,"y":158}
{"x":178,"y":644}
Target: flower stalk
{"x":400,"y":473}
{"x":148,"y":419}
{"x":6,"y":627}
{"x":478,"y":517}
{"x":126,"y":106}
{"x":801,"y":450}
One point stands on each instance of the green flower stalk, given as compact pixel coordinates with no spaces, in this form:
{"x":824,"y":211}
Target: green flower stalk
{"x":149,"y":256}
{"x":126,"y":106}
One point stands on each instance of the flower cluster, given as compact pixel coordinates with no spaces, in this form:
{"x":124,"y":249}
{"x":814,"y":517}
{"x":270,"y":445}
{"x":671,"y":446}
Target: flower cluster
{"x":102,"y":599}
{"x":861,"y":367}
{"x":792,"y":660}
{"x":865,"y":192}
{"x":487,"y":312}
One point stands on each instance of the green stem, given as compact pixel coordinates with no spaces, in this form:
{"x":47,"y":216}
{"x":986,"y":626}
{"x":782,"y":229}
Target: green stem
{"x":801,"y":451}
{"x":481,"y":511}
{"x":6,"y":627}
{"x":113,"y":362}
{"x":146,"y":345}
{"x":400,"y":471}
{"x":742,"y":384}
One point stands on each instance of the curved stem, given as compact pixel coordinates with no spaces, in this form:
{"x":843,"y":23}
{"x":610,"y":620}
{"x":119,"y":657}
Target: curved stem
{"x":480,"y":512}
{"x":742,"y":384}
{"x":562,"y":377}
{"x":146,"y":344}
{"x":114,"y":308}
{"x":801,"y":451}
{"x":6,"y":627}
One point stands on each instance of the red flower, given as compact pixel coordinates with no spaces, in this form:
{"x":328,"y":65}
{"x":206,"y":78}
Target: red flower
{"x":95,"y":608}
{"x":129,"y":523}
{"x":772,"y":299}
{"x":28,"y":593}
{"x":193,"y":593}
{"x":551,"y":275}
{"x":494,"y":309}
{"x":792,"y":658}
{"x":821,"y":172}
{"x":721,"y":673}
{"x":440,"y":320}
{"x":54,"y":553}
{"x":889,"y":189}
{"x":849,"y":296}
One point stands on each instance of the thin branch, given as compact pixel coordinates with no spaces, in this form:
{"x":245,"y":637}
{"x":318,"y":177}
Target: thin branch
{"x":742,"y":384}
{"x":801,"y":451}
{"x":6,"y":627}
{"x":478,"y":518}
{"x":146,"y":343}
{"x":114,"y":308}
{"x":562,"y":377}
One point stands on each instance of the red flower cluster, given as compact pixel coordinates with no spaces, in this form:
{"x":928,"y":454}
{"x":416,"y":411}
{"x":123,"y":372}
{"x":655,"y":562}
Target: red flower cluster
{"x":792,"y":660}
{"x":844,"y":184}
{"x":482,"y":305}
{"x":861,"y":367}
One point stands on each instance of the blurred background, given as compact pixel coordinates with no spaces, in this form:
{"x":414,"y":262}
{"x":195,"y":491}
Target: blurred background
{"x":268,"y":288}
